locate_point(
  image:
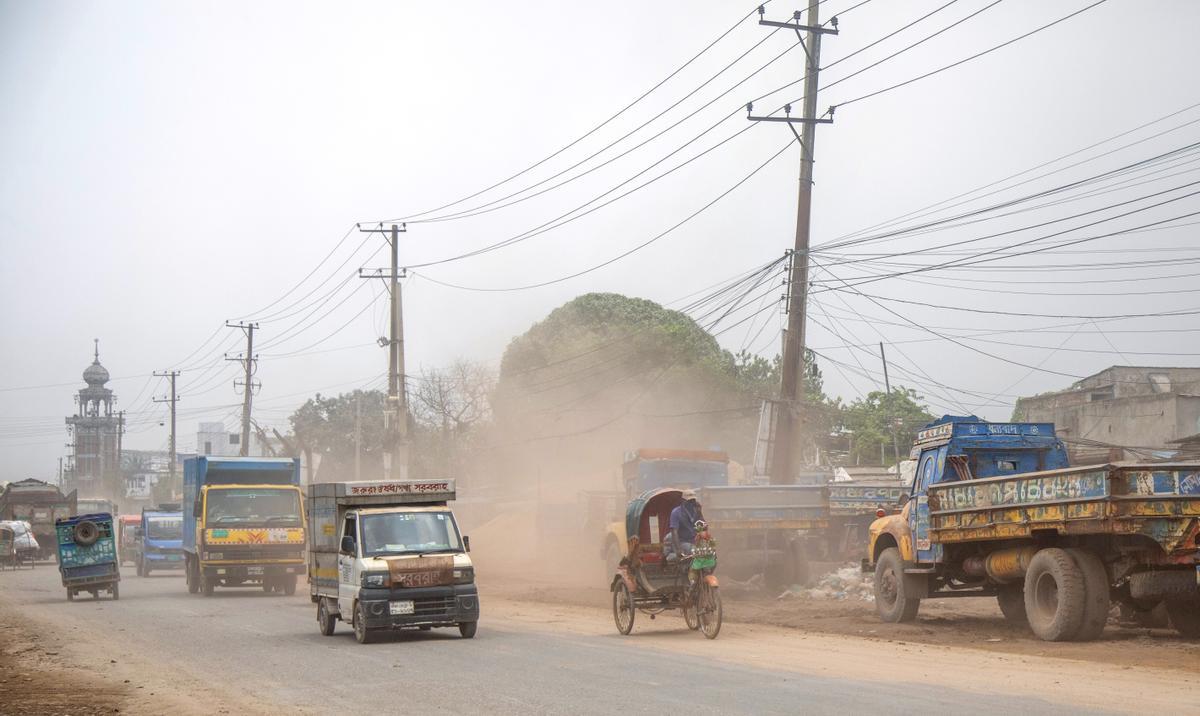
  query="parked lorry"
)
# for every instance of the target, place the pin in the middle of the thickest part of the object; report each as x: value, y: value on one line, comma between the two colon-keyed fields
x: 761, y: 527
x: 160, y: 539
x: 96, y: 505
x: 87, y: 555
x: 40, y: 504
x: 996, y: 510
x: 388, y: 555
x: 853, y: 506
x: 243, y: 523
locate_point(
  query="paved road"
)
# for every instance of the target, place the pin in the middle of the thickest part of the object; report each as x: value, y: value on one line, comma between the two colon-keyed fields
x: 268, y: 646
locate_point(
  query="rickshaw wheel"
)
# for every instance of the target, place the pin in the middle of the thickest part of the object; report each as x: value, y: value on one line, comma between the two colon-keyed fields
x: 623, y: 608
x: 708, y: 609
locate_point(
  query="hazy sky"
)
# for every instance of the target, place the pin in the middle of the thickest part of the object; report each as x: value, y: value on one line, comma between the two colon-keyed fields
x: 169, y: 166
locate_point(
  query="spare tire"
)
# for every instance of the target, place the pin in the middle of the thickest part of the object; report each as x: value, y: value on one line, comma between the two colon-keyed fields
x: 1164, y: 584
x: 86, y: 533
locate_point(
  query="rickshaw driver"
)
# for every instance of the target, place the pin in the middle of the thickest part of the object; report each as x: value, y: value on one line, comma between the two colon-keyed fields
x: 683, y: 526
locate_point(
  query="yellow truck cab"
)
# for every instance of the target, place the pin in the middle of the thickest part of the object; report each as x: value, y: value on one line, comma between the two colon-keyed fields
x: 388, y: 555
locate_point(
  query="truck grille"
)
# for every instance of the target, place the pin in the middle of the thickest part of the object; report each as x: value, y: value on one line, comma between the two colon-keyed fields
x: 433, y: 606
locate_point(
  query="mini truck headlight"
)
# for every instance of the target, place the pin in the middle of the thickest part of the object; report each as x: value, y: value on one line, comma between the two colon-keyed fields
x: 376, y: 579
x: 464, y: 575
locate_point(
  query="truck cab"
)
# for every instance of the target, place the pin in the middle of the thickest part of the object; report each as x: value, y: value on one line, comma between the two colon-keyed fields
x: 959, y: 448
x: 160, y: 545
x: 389, y: 555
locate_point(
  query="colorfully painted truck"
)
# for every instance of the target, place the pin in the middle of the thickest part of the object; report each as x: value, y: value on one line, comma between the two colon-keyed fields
x: 160, y: 540
x: 87, y: 555
x: 996, y: 510
x: 40, y: 504
x: 243, y: 523
x: 761, y: 527
x: 388, y: 555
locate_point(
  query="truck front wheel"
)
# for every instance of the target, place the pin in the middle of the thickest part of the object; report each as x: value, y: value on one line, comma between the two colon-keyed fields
x: 1011, y: 598
x: 361, y: 633
x: 1055, y: 595
x: 289, y: 584
x: 193, y: 577
x: 891, y: 603
x: 1185, y: 616
x: 467, y: 629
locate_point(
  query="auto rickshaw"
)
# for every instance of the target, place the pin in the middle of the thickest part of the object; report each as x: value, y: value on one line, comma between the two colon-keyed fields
x: 87, y: 555
x: 652, y: 580
x: 8, y: 547
x: 130, y: 542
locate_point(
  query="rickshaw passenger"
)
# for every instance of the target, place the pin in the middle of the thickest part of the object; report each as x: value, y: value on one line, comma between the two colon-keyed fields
x: 683, y: 527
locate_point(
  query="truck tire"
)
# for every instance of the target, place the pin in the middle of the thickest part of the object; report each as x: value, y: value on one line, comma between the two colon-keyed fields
x: 467, y: 629
x: 207, y: 585
x: 1011, y: 598
x: 70, y: 594
x: 890, y: 601
x: 137, y: 565
x: 1185, y: 616
x: 146, y: 570
x: 326, y: 621
x: 1097, y: 595
x: 1054, y: 595
x: 86, y: 533
x: 191, y: 573
x: 1163, y: 584
x: 289, y: 584
x: 115, y: 591
x: 361, y: 633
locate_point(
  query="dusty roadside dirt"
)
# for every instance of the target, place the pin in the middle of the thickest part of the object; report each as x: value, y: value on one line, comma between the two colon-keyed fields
x: 972, y: 623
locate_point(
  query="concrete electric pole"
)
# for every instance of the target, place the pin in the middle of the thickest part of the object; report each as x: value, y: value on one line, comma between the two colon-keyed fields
x: 249, y: 361
x: 887, y: 385
x: 397, y: 425
x: 784, y: 466
x: 171, y: 375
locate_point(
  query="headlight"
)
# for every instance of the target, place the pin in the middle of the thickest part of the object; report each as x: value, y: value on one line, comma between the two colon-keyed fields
x: 464, y: 575
x: 376, y: 579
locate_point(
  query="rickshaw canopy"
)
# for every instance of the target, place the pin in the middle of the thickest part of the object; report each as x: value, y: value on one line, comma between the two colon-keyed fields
x: 651, y: 503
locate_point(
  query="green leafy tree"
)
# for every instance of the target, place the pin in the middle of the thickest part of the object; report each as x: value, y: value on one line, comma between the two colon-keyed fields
x: 326, y: 425
x: 871, y: 421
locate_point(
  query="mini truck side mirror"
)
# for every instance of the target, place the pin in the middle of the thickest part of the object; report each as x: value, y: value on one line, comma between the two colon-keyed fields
x: 904, y: 498
x: 348, y: 545
x: 466, y: 543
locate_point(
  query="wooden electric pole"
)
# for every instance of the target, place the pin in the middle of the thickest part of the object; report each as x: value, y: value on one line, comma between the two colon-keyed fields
x: 171, y: 375
x: 397, y: 398
x: 784, y: 466
x: 249, y: 360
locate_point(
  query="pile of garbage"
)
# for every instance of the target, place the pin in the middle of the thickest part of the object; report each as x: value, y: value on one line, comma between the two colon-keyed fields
x: 845, y: 583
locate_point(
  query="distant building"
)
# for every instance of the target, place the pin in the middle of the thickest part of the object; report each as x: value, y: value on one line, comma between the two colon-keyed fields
x: 214, y: 439
x: 95, y: 436
x: 1121, y: 412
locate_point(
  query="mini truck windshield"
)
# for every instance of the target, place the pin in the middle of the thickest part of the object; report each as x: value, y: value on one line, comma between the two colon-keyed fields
x: 165, y: 528
x: 409, y: 533
x: 254, y: 506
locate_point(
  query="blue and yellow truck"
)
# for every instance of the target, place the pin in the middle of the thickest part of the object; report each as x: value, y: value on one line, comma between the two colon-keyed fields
x: 997, y: 510
x: 243, y: 523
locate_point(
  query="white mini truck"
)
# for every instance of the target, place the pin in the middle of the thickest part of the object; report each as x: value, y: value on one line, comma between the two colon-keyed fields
x: 387, y: 555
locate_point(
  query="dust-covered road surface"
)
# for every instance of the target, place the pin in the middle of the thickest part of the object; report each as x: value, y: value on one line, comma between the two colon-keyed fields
x: 242, y: 651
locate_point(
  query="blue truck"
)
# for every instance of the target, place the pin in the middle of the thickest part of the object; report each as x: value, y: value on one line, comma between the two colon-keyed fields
x: 996, y: 510
x: 243, y: 523
x: 160, y: 540
x: 87, y: 555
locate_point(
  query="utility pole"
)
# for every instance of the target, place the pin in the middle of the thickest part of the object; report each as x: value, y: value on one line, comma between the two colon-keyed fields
x: 358, y: 436
x: 887, y: 384
x: 785, y: 464
x: 249, y: 360
x: 171, y: 375
x: 397, y: 413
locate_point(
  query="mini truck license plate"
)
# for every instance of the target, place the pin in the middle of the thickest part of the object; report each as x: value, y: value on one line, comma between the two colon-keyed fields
x: 404, y: 607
